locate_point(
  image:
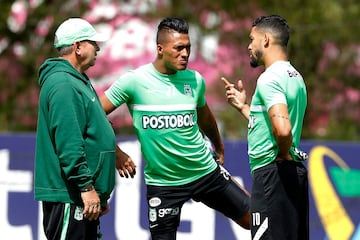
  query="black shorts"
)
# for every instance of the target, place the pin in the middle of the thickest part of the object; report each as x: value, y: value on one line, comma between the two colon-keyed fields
x: 66, y: 221
x: 280, y: 202
x: 217, y: 190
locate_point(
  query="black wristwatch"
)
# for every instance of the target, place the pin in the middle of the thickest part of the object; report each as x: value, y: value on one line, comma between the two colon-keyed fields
x: 88, y: 188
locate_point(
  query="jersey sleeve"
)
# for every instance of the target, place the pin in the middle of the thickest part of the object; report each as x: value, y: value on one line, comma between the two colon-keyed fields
x: 271, y: 90
x: 120, y: 91
x: 201, y: 94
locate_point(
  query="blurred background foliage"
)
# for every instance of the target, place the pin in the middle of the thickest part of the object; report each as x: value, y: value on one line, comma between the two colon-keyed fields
x: 324, y: 47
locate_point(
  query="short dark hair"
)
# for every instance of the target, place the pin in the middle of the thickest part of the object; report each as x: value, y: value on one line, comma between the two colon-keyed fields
x: 172, y: 24
x: 275, y: 24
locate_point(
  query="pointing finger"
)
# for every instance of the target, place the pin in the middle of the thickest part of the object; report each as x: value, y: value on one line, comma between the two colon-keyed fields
x: 226, y: 82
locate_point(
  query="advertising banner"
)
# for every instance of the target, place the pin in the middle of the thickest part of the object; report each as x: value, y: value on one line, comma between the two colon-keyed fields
x: 334, y: 177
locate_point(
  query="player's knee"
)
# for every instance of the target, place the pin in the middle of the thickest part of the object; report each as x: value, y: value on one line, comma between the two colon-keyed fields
x: 244, y: 221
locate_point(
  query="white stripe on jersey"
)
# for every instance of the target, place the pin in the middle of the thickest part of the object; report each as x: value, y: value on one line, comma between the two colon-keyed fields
x: 258, y: 108
x: 163, y: 108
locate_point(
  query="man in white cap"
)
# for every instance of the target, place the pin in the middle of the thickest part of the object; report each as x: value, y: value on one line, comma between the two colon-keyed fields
x: 76, y: 152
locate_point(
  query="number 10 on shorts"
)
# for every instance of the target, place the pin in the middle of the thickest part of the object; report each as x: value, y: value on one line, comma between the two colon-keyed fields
x: 255, y: 219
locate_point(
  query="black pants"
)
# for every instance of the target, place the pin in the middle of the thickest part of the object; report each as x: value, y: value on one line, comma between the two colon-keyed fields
x: 279, y: 202
x: 66, y: 221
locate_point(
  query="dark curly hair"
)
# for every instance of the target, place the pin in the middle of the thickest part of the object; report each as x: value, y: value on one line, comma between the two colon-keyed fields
x: 275, y: 24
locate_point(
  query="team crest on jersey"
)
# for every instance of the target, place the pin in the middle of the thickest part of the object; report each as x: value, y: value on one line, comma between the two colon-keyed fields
x: 187, y: 90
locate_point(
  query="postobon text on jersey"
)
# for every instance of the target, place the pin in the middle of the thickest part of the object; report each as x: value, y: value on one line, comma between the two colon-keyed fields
x: 168, y: 121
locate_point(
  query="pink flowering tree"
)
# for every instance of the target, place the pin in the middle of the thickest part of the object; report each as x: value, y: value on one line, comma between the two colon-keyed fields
x: 219, y: 33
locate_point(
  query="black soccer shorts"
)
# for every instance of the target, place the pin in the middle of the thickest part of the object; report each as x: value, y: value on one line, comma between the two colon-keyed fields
x: 66, y: 221
x: 279, y: 202
x: 217, y: 190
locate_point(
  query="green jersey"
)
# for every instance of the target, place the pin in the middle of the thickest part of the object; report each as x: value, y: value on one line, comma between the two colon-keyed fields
x: 163, y: 109
x: 281, y: 83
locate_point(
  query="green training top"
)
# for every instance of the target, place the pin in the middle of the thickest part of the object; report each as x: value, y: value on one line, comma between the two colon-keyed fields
x: 281, y: 83
x: 163, y: 108
x: 75, y: 142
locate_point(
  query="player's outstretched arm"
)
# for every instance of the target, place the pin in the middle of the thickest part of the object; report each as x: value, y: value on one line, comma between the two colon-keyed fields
x: 208, y: 126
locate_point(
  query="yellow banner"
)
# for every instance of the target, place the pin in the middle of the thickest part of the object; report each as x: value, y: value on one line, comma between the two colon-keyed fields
x: 336, y: 221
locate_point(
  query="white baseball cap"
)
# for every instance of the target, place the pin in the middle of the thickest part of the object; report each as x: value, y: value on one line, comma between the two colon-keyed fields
x: 76, y: 29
